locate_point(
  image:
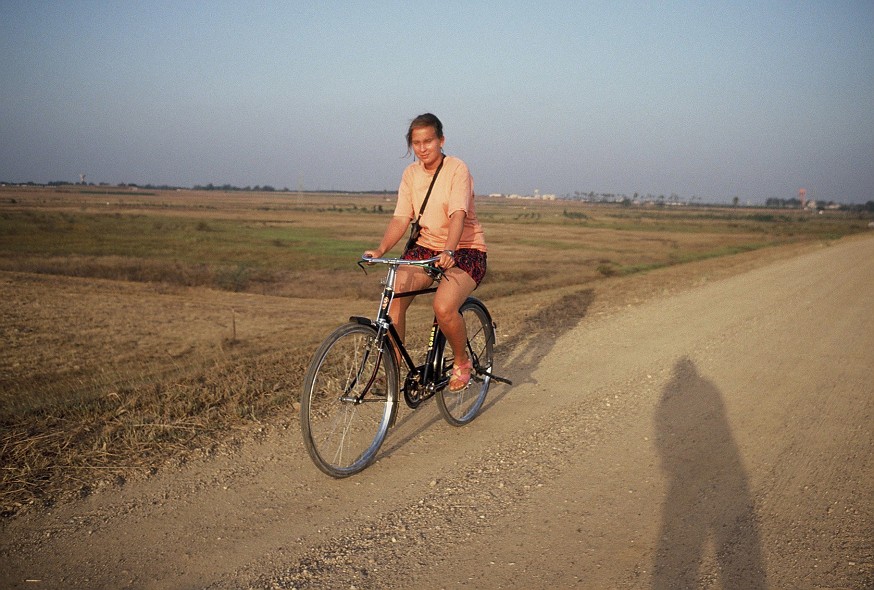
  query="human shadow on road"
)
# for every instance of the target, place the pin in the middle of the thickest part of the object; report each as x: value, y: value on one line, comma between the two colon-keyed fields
x: 708, y: 499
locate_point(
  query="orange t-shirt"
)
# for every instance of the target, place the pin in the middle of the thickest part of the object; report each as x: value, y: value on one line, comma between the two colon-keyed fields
x: 453, y: 191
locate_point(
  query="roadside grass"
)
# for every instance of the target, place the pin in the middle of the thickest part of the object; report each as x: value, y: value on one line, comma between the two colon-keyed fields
x: 129, y: 430
x: 62, y: 435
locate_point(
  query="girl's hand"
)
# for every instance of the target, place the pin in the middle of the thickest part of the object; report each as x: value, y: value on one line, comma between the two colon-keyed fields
x: 447, y: 259
x: 372, y: 254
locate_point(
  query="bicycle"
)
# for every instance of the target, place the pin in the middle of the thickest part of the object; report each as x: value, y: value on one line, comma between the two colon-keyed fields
x: 351, y: 388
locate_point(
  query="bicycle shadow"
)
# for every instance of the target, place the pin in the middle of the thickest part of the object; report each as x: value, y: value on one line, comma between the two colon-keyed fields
x: 520, y: 354
x: 708, y: 504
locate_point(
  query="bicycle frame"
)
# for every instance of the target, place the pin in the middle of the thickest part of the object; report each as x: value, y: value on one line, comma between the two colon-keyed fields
x: 429, y: 376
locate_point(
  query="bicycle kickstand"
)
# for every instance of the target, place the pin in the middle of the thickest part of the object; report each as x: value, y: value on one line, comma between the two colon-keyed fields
x: 500, y: 379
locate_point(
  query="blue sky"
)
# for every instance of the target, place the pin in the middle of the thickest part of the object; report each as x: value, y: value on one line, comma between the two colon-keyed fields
x: 705, y: 99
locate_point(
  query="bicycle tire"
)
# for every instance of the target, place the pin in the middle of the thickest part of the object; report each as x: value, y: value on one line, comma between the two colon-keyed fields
x: 461, y: 407
x: 342, y: 436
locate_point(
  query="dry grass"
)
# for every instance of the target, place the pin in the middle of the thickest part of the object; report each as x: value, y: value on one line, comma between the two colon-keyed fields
x: 142, y: 328
x: 131, y: 430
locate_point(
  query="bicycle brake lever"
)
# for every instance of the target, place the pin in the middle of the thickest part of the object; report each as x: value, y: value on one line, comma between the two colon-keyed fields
x: 435, y: 272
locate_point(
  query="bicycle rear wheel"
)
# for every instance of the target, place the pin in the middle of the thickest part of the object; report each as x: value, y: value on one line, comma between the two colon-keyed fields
x: 348, y: 401
x: 461, y: 407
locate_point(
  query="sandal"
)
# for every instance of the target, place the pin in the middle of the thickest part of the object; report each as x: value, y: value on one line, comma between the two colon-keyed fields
x: 460, y: 376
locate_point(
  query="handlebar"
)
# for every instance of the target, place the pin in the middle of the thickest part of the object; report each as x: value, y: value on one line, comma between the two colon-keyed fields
x: 399, y: 261
x: 428, y: 264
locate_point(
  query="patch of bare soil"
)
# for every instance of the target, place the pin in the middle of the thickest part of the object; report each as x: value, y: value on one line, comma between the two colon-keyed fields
x: 705, y: 425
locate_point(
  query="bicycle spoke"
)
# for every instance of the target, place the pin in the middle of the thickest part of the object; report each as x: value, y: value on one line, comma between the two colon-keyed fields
x: 348, y: 402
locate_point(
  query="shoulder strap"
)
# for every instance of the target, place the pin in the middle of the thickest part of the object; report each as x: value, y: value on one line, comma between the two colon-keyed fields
x: 428, y: 194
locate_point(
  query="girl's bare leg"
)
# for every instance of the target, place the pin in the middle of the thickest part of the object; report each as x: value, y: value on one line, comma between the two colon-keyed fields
x: 408, y: 279
x: 455, y: 287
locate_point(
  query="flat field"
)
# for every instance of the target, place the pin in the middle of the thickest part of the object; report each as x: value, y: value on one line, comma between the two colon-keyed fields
x: 140, y: 327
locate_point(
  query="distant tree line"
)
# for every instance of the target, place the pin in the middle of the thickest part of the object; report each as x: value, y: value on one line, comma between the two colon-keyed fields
x: 155, y: 187
x: 792, y: 203
x: 229, y: 187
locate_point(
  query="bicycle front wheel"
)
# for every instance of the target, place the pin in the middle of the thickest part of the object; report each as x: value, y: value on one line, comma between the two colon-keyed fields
x: 349, y: 399
x: 461, y: 407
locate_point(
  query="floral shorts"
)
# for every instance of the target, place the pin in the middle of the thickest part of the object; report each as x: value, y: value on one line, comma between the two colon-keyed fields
x: 471, y: 261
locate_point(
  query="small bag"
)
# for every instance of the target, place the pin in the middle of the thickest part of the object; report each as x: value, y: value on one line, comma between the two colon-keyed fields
x: 415, y: 228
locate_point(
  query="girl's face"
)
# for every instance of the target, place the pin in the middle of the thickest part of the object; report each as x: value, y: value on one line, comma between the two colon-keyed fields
x: 427, y: 146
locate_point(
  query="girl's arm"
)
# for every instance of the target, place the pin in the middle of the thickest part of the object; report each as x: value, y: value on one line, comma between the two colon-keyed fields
x: 456, y: 226
x: 396, y: 229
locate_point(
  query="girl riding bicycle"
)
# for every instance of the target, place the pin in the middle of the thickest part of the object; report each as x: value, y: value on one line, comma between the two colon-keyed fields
x: 449, y: 229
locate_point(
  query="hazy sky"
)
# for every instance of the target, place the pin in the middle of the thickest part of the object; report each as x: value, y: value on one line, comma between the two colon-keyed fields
x: 708, y: 99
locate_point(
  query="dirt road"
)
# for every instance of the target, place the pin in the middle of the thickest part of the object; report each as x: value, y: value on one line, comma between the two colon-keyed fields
x: 716, y: 438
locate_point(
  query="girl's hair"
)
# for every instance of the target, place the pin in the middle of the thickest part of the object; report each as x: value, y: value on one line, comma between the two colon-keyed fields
x: 426, y: 120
